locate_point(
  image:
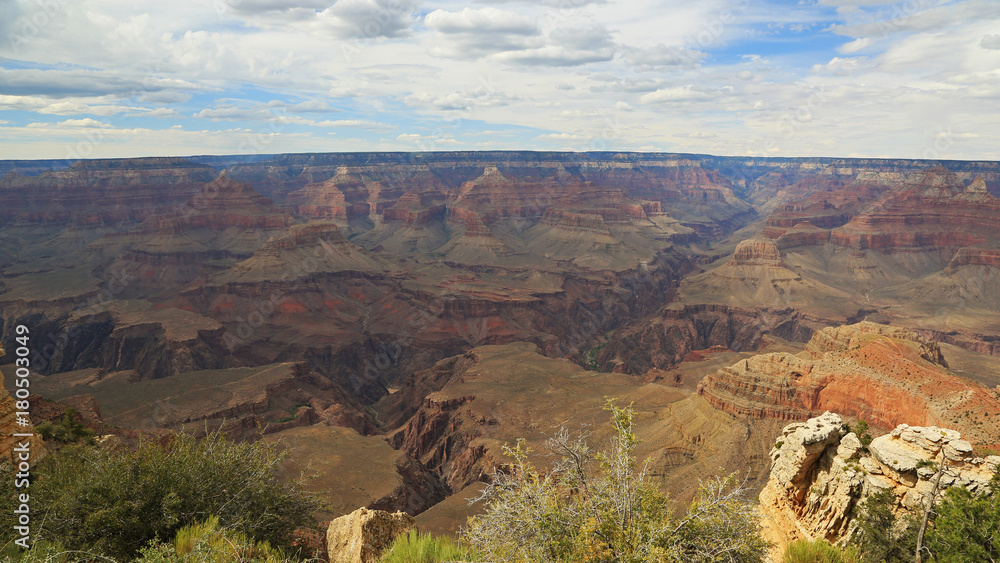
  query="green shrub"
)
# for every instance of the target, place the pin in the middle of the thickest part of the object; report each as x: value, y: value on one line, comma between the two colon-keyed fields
x: 819, y: 551
x: 967, y: 527
x: 862, y: 430
x: 881, y: 536
x: 599, y: 507
x: 117, y: 502
x: 48, y: 552
x: 208, y: 542
x: 415, y: 547
x: 67, y: 430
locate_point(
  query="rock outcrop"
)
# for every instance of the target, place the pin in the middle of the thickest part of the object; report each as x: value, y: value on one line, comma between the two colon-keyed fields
x: 886, y: 375
x: 364, y: 535
x: 820, y: 472
x: 10, y: 423
x: 757, y: 252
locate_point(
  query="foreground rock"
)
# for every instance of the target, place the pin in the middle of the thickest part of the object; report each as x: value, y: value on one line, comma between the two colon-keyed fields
x: 820, y: 472
x: 364, y: 535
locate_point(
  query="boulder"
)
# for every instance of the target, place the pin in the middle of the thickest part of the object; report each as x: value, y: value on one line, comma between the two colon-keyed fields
x: 364, y: 535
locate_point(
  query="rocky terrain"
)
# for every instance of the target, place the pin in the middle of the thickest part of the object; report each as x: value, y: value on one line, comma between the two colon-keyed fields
x: 883, y: 374
x: 418, y: 310
x: 10, y: 424
x: 820, y: 472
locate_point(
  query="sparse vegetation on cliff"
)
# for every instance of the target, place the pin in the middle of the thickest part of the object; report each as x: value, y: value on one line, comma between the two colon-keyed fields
x: 67, y: 430
x: 600, y: 507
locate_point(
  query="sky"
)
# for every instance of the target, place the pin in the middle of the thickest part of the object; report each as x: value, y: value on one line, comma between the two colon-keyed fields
x: 832, y: 78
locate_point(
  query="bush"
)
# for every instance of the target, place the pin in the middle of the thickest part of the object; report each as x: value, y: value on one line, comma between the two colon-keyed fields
x: 48, y: 552
x: 211, y: 543
x: 597, y: 507
x: 117, y: 502
x: 415, y: 547
x: 967, y: 527
x: 819, y: 551
x: 881, y: 536
x: 67, y: 430
x: 862, y: 430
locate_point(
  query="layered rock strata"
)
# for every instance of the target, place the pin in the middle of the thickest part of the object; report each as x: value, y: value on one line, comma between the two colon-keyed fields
x: 880, y: 373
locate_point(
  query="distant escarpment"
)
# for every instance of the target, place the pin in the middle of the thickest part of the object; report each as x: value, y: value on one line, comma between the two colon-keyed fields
x: 97, y: 193
x: 883, y: 374
x: 931, y: 209
x: 820, y: 473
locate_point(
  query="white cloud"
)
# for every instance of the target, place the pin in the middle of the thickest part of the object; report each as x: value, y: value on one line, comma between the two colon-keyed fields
x: 856, y: 45
x: 562, y: 137
x: 460, y: 101
x: 83, y: 82
x: 357, y: 124
x: 560, y: 4
x: 555, y: 55
x: 696, y: 135
x: 259, y: 6
x: 991, y: 42
x: 368, y: 18
x: 840, y: 67
x: 686, y: 93
x: 86, y: 122
x: 481, y: 21
x: 159, y: 112
x: 663, y: 56
x: 418, y: 142
x: 311, y: 106
x: 477, y: 32
x: 515, y: 39
x: 918, y: 16
x: 233, y: 113
x: 659, y: 69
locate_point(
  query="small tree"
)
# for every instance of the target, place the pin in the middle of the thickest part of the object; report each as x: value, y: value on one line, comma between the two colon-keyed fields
x: 67, y: 430
x: 600, y: 507
x: 967, y: 526
x: 881, y: 536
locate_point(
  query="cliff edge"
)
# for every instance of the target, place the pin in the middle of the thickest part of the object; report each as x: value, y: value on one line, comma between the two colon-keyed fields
x: 820, y: 471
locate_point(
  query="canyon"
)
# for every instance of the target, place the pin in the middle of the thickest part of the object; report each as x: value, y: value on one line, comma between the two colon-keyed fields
x: 417, y: 311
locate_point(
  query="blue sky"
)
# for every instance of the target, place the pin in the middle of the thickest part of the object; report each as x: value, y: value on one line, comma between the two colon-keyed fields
x: 110, y: 78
